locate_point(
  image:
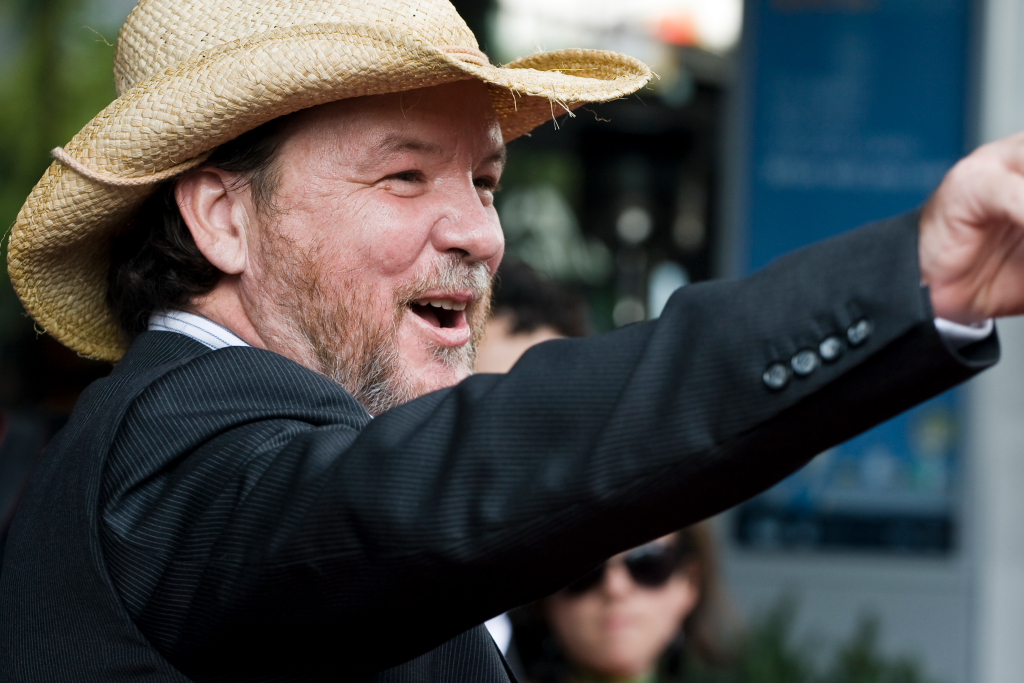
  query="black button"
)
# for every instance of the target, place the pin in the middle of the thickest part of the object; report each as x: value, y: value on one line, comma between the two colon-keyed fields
x: 859, y: 332
x: 831, y: 348
x: 805, y: 362
x: 776, y: 376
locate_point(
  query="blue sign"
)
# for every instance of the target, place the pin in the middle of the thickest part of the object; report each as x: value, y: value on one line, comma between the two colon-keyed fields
x: 857, y: 109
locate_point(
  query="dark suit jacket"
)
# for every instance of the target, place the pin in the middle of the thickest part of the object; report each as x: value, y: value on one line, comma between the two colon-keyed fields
x: 230, y: 515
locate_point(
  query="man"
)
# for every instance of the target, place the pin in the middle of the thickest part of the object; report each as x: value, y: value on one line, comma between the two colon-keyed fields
x: 223, y: 507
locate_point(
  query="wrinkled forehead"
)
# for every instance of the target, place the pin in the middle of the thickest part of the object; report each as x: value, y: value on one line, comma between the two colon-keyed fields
x: 456, y: 117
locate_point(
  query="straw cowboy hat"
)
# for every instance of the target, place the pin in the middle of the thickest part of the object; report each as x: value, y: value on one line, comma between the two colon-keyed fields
x: 194, y: 74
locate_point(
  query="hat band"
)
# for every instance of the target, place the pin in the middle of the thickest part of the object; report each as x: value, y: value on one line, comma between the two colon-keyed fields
x: 465, y: 54
x: 104, y: 178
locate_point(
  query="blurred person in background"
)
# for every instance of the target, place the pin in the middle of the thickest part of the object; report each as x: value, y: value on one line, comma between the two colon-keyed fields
x: 526, y: 309
x: 641, y: 617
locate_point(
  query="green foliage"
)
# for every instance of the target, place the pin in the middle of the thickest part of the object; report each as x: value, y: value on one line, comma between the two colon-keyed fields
x: 769, y: 654
x: 860, y: 662
x: 56, y: 75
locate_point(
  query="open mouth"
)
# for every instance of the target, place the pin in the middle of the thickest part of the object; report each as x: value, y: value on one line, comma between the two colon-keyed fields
x: 442, y: 313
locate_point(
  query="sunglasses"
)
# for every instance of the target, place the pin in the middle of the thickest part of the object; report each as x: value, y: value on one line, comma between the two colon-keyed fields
x: 650, y: 565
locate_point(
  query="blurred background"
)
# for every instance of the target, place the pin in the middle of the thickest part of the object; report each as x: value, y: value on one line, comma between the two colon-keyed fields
x: 773, y: 123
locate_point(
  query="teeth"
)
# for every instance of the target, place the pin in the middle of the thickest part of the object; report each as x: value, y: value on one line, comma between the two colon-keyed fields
x: 446, y: 304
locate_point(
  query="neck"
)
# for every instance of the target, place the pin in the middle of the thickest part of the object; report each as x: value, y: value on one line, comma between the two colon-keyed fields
x: 223, y: 305
x: 228, y: 306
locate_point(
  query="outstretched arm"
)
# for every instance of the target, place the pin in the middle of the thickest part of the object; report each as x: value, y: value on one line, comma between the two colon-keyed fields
x: 377, y: 545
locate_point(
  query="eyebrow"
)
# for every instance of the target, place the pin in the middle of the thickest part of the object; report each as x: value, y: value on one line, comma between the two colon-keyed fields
x: 394, y: 144
x: 499, y: 156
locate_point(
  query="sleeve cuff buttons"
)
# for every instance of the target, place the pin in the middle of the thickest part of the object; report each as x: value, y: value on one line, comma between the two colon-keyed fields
x: 859, y: 332
x: 805, y: 362
x: 777, y: 375
x: 831, y: 348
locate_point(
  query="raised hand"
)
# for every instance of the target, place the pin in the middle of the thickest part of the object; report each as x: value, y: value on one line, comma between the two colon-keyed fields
x: 972, y: 236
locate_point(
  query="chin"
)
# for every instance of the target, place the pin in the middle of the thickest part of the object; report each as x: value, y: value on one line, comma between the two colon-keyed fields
x: 621, y: 668
x: 438, y: 376
x: 624, y: 657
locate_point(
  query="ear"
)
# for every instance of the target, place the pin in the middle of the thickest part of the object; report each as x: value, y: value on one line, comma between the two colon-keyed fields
x: 217, y: 216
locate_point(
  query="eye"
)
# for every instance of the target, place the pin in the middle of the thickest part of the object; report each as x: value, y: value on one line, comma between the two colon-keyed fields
x: 487, y: 183
x: 409, y: 183
x: 410, y: 176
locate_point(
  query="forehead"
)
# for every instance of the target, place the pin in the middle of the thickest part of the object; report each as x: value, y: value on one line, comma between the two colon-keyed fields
x: 451, y: 118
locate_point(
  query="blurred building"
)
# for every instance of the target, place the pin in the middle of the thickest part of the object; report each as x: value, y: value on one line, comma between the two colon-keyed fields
x: 621, y: 199
x: 853, y: 110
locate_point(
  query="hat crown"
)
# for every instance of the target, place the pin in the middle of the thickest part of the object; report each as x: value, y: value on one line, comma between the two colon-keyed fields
x: 162, y: 33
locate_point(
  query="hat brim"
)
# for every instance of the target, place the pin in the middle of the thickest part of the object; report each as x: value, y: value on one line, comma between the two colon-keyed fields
x: 59, y: 250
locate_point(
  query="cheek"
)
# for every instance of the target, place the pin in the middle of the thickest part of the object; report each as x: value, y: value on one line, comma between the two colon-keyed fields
x: 573, y: 620
x: 668, y: 608
x: 496, y: 261
x: 366, y: 228
x: 390, y: 233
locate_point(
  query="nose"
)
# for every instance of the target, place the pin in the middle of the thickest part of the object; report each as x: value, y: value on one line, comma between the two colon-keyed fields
x: 617, y: 582
x: 470, y: 228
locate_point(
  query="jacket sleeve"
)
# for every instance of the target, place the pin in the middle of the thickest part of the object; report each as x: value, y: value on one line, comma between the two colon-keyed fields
x: 289, y: 532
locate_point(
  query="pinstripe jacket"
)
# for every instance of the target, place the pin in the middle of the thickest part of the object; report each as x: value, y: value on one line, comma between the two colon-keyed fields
x: 230, y: 515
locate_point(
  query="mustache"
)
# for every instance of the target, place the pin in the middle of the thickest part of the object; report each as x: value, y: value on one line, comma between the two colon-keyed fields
x: 450, y: 274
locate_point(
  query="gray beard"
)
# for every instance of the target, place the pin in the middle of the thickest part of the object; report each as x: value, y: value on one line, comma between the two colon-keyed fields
x: 350, y: 347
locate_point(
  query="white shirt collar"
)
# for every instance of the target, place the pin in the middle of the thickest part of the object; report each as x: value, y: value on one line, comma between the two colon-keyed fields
x: 202, y: 330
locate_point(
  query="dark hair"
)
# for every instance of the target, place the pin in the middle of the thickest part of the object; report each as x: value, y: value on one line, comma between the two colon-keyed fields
x: 705, y: 636
x: 711, y: 625
x: 533, y: 302
x: 155, y: 263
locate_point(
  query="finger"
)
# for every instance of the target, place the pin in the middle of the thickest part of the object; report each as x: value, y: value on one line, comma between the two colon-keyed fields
x: 1007, y: 199
x: 1011, y: 151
